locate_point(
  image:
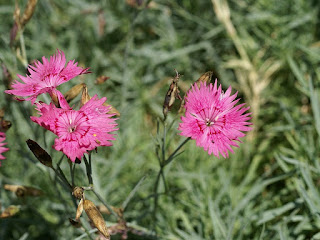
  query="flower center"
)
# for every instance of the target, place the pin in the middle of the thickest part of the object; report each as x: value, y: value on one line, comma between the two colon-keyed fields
x: 209, y: 122
x: 72, y: 127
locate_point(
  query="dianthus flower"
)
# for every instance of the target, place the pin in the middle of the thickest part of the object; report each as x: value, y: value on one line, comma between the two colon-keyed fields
x: 80, y: 130
x: 213, y: 120
x: 45, y: 77
x: 2, y: 149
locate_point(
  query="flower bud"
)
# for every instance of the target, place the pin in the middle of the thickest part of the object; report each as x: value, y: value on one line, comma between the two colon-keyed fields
x: 40, y: 153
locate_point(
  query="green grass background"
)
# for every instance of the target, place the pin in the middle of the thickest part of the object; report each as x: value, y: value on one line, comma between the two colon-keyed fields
x: 268, y: 189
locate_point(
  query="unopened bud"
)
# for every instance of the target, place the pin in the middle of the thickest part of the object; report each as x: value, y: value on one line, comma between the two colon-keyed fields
x: 95, y: 216
x: 171, y: 95
x: 40, y: 153
x: 74, y: 92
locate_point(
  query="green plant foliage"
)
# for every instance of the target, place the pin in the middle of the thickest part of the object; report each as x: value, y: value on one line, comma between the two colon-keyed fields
x: 268, y: 189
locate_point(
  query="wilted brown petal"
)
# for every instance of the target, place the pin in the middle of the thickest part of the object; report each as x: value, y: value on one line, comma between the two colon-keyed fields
x: 40, y: 153
x: 95, y: 216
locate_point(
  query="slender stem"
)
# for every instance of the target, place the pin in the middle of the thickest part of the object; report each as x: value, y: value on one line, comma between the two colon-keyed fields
x: 23, y: 50
x: 88, y: 169
x: 164, y: 143
x: 62, y: 178
x: 105, y: 204
x: 72, y: 167
x: 171, y: 157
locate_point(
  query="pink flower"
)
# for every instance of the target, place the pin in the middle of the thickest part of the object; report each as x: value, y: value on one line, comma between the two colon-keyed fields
x: 78, y: 131
x: 2, y: 149
x: 45, y: 77
x: 213, y: 120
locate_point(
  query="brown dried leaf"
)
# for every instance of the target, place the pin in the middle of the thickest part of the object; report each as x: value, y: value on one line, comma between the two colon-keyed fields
x: 95, y: 216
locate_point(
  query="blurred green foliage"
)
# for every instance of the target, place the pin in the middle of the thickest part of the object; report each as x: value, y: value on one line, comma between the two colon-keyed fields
x: 268, y: 189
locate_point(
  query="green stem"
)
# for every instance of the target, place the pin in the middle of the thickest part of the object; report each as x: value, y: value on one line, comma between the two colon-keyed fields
x: 171, y: 157
x: 88, y: 169
x: 23, y: 59
x: 105, y: 204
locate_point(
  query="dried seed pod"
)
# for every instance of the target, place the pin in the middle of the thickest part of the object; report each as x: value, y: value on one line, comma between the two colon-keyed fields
x: 112, y: 110
x: 28, y: 12
x: 95, y: 216
x: 79, y: 210
x: 85, y: 97
x: 101, y: 79
x: 171, y: 95
x: 78, y: 192
x: 75, y: 223
x: 204, y: 78
x: 5, y: 125
x: 74, y: 92
x: 23, y: 191
x: 10, y: 211
x: 40, y: 153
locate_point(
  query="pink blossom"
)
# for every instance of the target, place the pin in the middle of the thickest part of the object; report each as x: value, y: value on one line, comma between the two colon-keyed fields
x: 2, y: 149
x: 45, y: 77
x: 213, y: 120
x: 78, y: 131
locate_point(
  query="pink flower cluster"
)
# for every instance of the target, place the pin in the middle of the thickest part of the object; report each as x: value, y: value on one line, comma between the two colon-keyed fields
x: 213, y: 120
x: 2, y: 149
x: 78, y: 131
